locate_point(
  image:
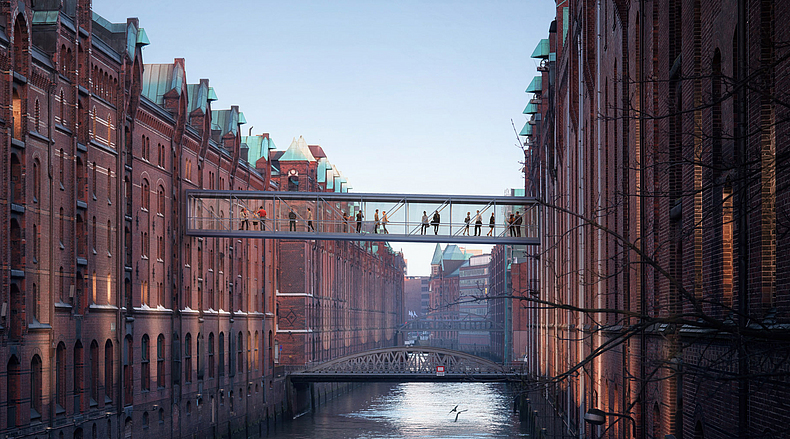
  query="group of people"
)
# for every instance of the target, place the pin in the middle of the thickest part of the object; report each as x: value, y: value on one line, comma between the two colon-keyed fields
x: 258, y: 216
x: 513, y: 222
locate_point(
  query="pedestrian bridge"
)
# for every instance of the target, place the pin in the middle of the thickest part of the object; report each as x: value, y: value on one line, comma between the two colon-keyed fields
x: 451, y: 321
x: 353, y: 217
x: 407, y: 364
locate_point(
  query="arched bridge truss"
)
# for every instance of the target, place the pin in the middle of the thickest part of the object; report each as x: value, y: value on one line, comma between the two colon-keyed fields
x: 406, y: 364
x: 452, y: 321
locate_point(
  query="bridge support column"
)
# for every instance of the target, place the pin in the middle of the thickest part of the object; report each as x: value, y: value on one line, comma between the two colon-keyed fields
x: 300, y: 397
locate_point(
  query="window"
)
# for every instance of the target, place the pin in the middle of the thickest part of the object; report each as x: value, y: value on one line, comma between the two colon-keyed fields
x: 16, y: 116
x: 199, y: 351
x: 60, y: 378
x: 109, y: 238
x: 35, y: 387
x: 94, y: 180
x: 62, y: 236
x: 62, y: 167
x: 211, y: 355
x: 161, y: 200
x: 146, y: 195
x: 108, y: 368
x: 78, y: 376
x: 255, y: 346
x: 188, y: 358
x: 128, y: 370
x: 94, y: 380
x: 13, y: 391
x: 36, y: 304
x: 239, y: 353
x: 160, y: 361
x: 221, y: 354
x: 109, y: 130
x: 36, y: 180
x: 145, y: 370
x: 35, y: 243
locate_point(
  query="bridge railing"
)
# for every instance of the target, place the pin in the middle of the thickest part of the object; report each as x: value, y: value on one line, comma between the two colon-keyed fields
x: 384, y: 217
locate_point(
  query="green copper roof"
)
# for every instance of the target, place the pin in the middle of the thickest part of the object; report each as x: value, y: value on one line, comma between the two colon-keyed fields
x: 115, y: 28
x: 437, y: 255
x: 142, y: 38
x: 531, y: 108
x: 212, y: 96
x: 259, y: 146
x: 527, y: 130
x: 454, y: 253
x: 242, y: 119
x: 158, y: 79
x: 197, y: 95
x: 322, y: 163
x: 225, y: 121
x: 536, y: 86
x: 542, y: 51
x: 297, y: 152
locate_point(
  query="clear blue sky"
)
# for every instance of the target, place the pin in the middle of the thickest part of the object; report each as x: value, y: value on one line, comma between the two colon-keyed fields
x: 404, y: 96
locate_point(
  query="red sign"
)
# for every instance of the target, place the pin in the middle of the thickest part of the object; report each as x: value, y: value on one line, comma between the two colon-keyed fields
x: 440, y: 371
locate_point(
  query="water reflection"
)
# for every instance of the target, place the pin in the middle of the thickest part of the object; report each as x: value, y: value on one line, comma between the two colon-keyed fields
x: 411, y: 410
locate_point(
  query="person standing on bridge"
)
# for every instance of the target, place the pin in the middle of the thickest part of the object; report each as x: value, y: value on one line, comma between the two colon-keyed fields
x: 467, y: 220
x: 510, y: 225
x: 384, y: 222
x: 376, y: 222
x: 310, y: 220
x: 491, y: 225
x: 359, y: 221
x: 345, y: 222
x: 262, y: 217
x: 517, y: 222
x: 292, y: 221
x: 478, y: 223
x: 245, y: 222
x: 424, y: 223
x: 435, y: 221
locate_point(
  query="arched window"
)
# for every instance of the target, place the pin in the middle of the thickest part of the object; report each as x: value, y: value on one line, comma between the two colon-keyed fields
x: 94, y: 379
x: 199, y: 351
x: 36, y: 180
x: 16, y: 245
x: 35, y: 387
x: 221, y: 349
x: 61, y: 221
x: 82, y: 183
x: 62, y: 280
x: 36, y: 304
x: 240, y: 353
x: 109, y: 238
x: 78, y: 376
x: 211, y: 355
x: 161, y: 200
x: 249, y: 351
x: 60, y: 378
x: 188, y: 358
x: 108, y: 368
x: 146, y: 195
x: 13, y: 391
x: 160, y: 361
x: 128, y: 370
x: 80, y: 238
x: 145, y: 371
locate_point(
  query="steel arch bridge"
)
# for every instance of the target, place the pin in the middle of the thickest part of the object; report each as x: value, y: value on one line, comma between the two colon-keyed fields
x: 406, y: 364
x: 451, y: 321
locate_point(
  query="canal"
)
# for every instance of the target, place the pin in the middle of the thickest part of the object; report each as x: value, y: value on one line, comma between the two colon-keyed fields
x: 410, y: 410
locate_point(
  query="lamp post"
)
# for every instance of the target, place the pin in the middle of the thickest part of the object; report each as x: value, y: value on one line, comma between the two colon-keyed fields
x: 598, y: 417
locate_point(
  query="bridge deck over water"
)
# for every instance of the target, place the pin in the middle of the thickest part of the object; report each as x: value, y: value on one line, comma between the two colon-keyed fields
x: 232, y: 214
x: 407, y: 364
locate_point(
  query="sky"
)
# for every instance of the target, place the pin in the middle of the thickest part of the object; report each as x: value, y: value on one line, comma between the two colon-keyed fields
x: 404, y: 96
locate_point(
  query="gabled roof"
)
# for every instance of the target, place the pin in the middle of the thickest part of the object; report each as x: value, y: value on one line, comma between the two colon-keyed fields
x: 298, y: 152
x: 437, y: 255
x: 226, y: 121
x: 159, y: 79
x: 454, y: 253
x: 542, y: 51
x: 317, y: 151
x: 259, y: 146
x: 536, y: 86
x: 197, y: 95
x: 323, y: 168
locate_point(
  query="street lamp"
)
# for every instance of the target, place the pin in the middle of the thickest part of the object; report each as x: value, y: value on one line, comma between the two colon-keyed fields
x: 598, y: 417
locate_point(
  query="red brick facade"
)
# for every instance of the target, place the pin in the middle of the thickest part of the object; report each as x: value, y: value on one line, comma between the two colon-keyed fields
x: 113, y: 321
x: 661, y: 152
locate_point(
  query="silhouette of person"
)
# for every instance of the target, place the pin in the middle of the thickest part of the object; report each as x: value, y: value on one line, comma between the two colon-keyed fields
x: 376, y: 222
x: 384, y: 222
x: 345, y: 222
x: 292, y: 221
x: 262, y: 217
x: 359, y: 221
x: 245, y: 222
x: 424, y: 223
x: 310, y: 220
x: 491, y: 225
x: 478, y: 223
x: 466, y: 224
x: 517, y: 222
x: 511, y: 219
x: 435, y: 221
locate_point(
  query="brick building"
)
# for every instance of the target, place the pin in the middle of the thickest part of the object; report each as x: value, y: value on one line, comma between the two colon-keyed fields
x: 113, y: 322
x: 658, y: 139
